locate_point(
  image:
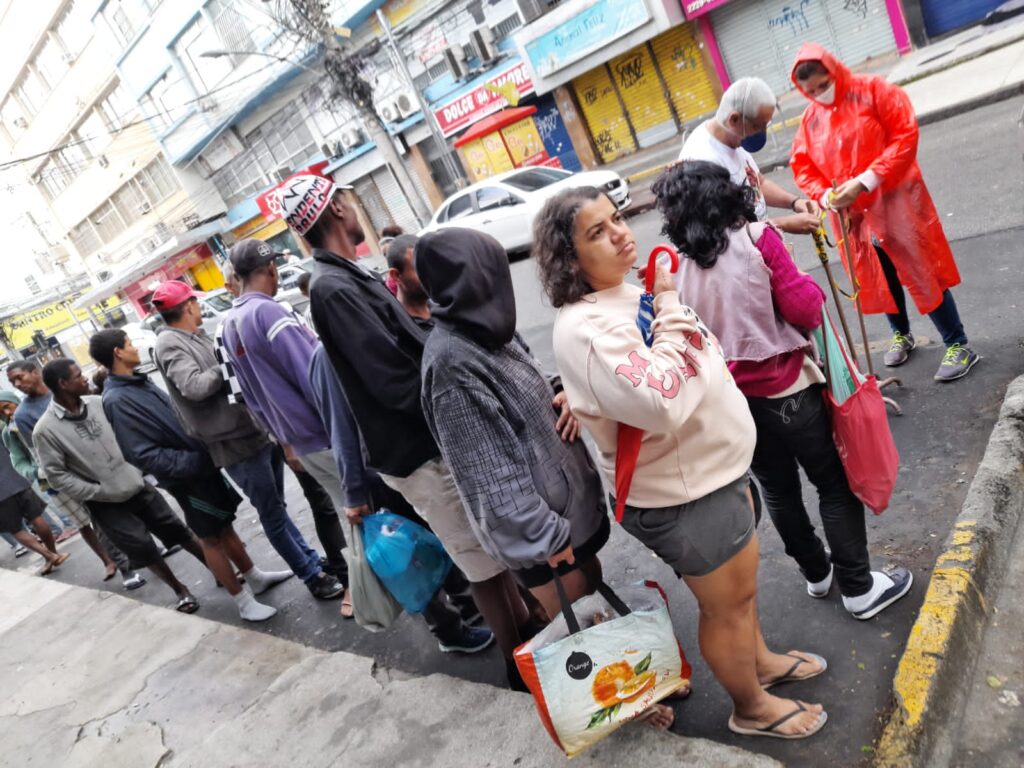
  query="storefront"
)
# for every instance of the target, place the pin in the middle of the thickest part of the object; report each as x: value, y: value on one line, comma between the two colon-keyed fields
x: 761, y: 39
x: 35, y: 330
x: 942, y: 16
x: 502, y: 124
x: 637, y: 71
x: 195, y: 266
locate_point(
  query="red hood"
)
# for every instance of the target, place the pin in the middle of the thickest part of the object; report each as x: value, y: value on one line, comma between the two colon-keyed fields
x: 814, y: 52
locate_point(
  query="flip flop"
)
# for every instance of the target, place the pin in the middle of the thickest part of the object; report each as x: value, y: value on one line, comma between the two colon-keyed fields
x: 789, y: 677
x: 61, y: 559
x: 347, y: 609
x: 47, y: 569
x: 187, y: 604
x: 770, y: 730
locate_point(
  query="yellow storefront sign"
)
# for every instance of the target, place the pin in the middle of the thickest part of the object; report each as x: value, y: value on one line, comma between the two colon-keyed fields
x: 523, y: 141
x: 50, y: 319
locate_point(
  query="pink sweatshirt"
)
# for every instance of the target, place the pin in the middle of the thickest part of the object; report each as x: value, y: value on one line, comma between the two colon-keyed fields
x: 798, y: 299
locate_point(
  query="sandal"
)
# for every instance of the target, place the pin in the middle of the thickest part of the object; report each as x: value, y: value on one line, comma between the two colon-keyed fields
x: 347, y: 610
x: 770, y: 730
x: 789, y: 677
x: 187, y: 604
x: 61, y: 558
x: 47, y: 569
x: 680, y: 694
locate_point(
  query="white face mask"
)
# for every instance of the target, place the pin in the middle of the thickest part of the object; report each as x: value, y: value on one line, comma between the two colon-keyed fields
x: 828, y: 96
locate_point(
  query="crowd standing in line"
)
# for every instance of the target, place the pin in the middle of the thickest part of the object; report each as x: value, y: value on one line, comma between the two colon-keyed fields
x: 420, y: 396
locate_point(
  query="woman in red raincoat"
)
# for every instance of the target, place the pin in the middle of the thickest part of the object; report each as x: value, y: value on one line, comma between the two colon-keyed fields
x: 860, y: 133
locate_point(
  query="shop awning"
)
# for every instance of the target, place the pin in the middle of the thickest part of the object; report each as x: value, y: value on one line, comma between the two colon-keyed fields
x: 140, y: 269
x: 495, y: 122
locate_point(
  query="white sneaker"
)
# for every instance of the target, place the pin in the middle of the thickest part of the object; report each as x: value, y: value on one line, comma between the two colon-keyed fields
x: 820, y: 589
x: 887, y: 589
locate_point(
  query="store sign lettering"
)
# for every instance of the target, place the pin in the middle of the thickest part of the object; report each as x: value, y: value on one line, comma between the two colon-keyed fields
x: 587, y: 31
x: 483, y: 100
x: 695, y: 8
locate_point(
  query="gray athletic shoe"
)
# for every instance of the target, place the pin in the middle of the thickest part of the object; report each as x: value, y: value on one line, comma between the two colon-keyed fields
x: 899, y: 350
x: 957, y: 363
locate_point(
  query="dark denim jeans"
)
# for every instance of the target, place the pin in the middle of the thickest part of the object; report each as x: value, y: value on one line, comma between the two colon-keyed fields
x: 261, y: 478
x: 795, y: 431
x: 946, y: 317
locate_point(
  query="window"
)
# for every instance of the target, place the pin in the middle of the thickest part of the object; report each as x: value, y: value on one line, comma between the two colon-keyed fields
x: 232, y: 27
x: 116, y: 108
x: 328, y: 120
x: 126, y: 18
x: 460, y: 206
x: 205, y: 73
x: 130, y: 202
x: 13, y: 117
x: 158, y: 181
x: 93, y: 133
x: 240, y: 179
x: 50, y: 63
x: 285, y: 137
x: 494, y: 197
x: 52, y: 180
x: 108, y: 222
x: 31, y: 93
x: 506, y: 27
x: 74, y: 28
x: 166, y: 101
x: 437, y: 71
x: 536, y: 178
x: 84, y: 238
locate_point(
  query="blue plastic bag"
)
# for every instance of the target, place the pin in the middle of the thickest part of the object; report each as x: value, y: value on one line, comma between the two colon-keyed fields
x: 407, y: 558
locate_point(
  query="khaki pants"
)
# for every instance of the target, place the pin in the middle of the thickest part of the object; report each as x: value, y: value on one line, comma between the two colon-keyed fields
x: 431, y: 491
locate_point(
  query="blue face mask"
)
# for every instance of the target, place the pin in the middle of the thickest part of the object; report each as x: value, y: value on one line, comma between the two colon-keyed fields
x: 755, y: 142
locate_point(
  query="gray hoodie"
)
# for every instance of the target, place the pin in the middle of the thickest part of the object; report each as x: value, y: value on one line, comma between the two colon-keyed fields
x: 80, y: 455
x: 199, y: 395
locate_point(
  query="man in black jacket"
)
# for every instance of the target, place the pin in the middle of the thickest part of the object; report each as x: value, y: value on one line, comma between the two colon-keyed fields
x: 375, y: 348
x: 151, y: 438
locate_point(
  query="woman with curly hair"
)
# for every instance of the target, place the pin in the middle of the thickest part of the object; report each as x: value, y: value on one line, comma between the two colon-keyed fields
x: 739, y: 276
x: 688, y: 501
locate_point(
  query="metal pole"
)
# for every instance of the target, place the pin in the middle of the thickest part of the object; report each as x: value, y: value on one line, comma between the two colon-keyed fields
x: 453, y: 166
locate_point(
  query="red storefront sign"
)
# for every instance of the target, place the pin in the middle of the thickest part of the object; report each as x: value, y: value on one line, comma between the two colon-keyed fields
x: 481, y: 101
x: 270, y: 201
x: 695, y: 8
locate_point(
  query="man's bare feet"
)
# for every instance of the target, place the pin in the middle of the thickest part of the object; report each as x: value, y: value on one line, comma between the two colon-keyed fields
x: 789, y: 667
x: 659, y: 716
x: 807, y: 719
x: 61, y: 558
x: 110, y: 572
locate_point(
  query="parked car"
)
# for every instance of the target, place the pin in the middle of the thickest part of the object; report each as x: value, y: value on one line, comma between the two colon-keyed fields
x: 505, y: 205
x: 143, y: 338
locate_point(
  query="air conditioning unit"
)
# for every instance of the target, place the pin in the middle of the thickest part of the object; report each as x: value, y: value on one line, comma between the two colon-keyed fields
x: 389, y: 112
x: 351, y: 138
x: 455, y: 58
x: 190, y: 221
x: 144, y: 209
x: 21, y: 122
x: 482, y: 40
x: 102, y: 160
x: 207, y: 104
x: 68, y: 58
x: 407, y: 104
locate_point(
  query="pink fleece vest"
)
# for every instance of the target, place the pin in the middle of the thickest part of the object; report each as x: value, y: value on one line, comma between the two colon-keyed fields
x: 734, y: 299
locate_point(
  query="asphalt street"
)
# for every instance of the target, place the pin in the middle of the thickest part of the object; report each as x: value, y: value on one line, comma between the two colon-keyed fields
x: 972, y: 164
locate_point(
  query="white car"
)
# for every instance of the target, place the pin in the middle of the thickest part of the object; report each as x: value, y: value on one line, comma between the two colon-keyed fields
x: 504, y: 206
x: 143, y: 338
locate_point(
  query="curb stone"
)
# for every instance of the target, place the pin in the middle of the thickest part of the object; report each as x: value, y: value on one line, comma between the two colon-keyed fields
x: 943, y: 644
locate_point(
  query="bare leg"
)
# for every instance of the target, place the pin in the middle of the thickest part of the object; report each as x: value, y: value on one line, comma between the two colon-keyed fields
x: 577, y: 583
x: 90, y: 538
x: 31, y: 542
x: 45, y: 533
x: 494, y: 598
x: 220, y: 566
x: 729, y: 641
x: 235, y: 550
x: 166, y: 575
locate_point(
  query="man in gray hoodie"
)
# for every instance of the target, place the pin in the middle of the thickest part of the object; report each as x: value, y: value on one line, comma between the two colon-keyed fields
x: 79, y: 453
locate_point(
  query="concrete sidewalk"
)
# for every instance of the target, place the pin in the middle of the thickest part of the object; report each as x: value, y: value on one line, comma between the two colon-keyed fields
x: 129, y: 684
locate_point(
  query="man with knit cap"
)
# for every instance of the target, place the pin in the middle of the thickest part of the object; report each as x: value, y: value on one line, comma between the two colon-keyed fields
x: 237, y: 444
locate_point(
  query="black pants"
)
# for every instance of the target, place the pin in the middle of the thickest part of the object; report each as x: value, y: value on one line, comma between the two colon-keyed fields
x: 945, y: 317
x: 795, y: 431
x: 326, y: 522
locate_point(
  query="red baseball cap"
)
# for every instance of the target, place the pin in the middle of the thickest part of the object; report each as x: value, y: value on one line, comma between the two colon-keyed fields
x: 170, y: 294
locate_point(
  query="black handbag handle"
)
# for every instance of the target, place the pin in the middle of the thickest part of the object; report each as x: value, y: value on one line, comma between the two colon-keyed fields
x: 603, y: 589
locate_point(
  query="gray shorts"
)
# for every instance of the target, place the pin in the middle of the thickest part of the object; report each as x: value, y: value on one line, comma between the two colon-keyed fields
x: 696, y: 538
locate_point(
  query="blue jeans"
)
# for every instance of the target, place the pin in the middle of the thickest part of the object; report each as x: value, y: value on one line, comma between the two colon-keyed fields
x: 945, y: 317
x: 261, y: 478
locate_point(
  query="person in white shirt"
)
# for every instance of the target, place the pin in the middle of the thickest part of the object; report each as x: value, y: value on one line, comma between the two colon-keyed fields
x: 738, y: 128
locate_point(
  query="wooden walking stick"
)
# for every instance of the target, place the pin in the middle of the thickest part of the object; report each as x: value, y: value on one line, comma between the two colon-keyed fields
x: 843, y: 242
x: 819, y: 246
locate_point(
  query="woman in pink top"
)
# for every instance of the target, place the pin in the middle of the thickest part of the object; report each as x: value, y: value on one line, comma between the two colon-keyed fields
x: 688, y: 501
x: 740, y: 278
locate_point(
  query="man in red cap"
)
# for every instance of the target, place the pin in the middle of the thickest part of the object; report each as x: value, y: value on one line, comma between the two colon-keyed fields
x: 237, y: 444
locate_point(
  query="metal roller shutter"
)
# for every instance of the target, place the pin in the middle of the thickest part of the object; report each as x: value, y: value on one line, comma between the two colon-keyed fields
x: 643, y: 95
x: 372, y: 203
x: 941, y: 16
x: 760, y: 39
x: 395, y: 200
x: 605, y: 119
x: 682, y: 68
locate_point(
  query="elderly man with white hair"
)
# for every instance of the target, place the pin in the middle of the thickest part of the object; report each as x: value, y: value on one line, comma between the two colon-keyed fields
x: 739, y: 128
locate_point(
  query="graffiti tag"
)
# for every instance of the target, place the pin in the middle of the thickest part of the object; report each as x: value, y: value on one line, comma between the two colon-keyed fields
x: 792, y: 18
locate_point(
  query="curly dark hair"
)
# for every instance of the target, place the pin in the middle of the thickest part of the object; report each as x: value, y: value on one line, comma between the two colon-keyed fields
x: 700, y: 205
x: 554, y: 245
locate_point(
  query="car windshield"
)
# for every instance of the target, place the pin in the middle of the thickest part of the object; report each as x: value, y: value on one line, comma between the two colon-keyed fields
x: 535, y: 178
x: 219, y: 302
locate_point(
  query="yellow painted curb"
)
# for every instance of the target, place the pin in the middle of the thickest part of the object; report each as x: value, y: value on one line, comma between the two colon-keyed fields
x: 950, y: 591
x: 653, y: 171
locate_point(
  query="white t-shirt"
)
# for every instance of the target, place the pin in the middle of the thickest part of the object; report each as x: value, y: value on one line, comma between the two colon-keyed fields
x: 701, y: 145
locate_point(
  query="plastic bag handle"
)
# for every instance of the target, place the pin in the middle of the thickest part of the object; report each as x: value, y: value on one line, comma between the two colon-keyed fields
x: 605, y: 591
x: 652, y: 264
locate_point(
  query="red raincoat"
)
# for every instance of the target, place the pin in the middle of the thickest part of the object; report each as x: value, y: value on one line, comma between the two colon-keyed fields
x: 871, y: 126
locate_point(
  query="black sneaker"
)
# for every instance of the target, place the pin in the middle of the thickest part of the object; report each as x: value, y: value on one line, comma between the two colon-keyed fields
x: 902, y: 580
x: 471, y: 640
x: 325, y: 587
